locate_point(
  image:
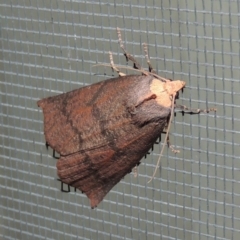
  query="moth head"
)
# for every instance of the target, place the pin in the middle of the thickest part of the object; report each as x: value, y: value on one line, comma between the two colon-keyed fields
x: 172, y: 87
x: 165, y: 91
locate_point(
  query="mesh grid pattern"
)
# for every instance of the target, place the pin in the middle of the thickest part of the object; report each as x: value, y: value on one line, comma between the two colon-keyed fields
x: 49, y: 47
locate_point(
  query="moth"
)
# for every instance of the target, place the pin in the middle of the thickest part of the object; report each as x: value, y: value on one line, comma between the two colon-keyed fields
x: 102, y: 131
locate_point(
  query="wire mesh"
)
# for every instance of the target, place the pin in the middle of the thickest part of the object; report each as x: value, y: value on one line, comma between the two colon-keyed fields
x: 49, y: 47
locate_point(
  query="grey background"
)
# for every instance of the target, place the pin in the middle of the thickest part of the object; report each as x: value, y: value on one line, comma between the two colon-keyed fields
x: 49, y: 47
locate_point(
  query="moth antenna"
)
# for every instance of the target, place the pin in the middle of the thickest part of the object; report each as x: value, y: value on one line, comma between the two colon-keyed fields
x: 165, y: 140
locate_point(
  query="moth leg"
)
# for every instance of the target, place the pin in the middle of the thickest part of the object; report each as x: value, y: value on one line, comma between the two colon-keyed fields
x: 149, y: 151
x: 185, y: 109
x: 158, y: 140
x: 128, y: 56
x: 114, y: 68
x: 171, y: 146
x: 150, y: 68
x: 135, y: 171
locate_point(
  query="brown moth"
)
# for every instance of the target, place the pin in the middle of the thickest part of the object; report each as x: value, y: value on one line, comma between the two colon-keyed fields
x: 102, y: 131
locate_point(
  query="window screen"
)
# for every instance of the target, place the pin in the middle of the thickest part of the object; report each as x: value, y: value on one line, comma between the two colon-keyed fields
x: 50, y: 47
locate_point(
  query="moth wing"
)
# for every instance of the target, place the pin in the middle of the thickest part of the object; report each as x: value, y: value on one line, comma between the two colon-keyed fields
x: 97, y: 171
x: 80, y: 119
x: 102, y: 131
